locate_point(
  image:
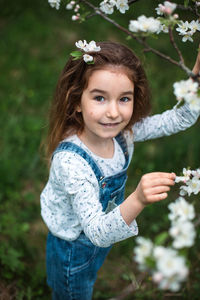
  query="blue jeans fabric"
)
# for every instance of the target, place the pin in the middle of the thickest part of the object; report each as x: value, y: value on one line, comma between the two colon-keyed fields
x: 72, y: 266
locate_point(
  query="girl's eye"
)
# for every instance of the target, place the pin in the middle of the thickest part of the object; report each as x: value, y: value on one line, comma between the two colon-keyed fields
x: 99, y: 98
x: 125, y: 99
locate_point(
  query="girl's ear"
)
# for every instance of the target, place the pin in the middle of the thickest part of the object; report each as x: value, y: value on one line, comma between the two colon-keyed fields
x: 78, y: 109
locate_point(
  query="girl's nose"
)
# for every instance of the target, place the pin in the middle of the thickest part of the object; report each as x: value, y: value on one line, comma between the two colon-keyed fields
x: 112, y: 110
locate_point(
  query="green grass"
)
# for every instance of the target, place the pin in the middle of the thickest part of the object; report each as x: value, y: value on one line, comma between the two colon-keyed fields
x: 35, y: 44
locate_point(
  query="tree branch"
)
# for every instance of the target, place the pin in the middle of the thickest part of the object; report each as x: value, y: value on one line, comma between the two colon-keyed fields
x: 132, y: 1
x: 175, y: 45
x: 135, y: 284
x: 141, y: 41
x: 197, y: 221
x: 193, y: 10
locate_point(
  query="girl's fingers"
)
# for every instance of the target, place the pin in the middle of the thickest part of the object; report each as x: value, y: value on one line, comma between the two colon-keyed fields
x: 157, y: 197
x: 157, y: 190
x: 154, y: 175
x: 160, y: 181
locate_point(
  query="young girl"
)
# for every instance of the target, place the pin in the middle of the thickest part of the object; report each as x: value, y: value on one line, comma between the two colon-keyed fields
x: 100, y: 109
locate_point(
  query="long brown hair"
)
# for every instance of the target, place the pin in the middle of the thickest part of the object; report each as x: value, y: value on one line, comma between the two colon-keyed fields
x: 64, y: 120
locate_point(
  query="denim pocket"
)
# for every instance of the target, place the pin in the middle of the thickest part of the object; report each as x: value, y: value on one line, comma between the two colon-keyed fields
x: 83, y: 254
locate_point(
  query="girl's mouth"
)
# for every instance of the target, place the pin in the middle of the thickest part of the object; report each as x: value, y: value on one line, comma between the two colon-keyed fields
x: 110, y: 124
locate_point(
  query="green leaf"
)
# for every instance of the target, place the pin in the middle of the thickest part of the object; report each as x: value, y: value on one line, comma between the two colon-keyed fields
x: 75, y: 58
x: 186, y: 2
x: 128, y: 38
x: 76, y: 54
x: 90, y: 62
x: 161, y: 238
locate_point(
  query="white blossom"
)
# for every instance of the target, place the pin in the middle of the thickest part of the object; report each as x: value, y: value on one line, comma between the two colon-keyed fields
x: 81, y: 44
x: 87, y: 58
x: 183, y: 234
x: 107, y: 6
x: 196, y: 173
x: 181, y: 209
x: 192, y: 186
x: 134, y: 26
x: 182, y: 27
x: 88, y: 47
x: 186, y: 176
x: 166, y: 8
x: 92, y: 47
x: 185, y: 87
x: 164, y: 28
x: 76, y: 17
x: 187, y: 37
x: 194, y: 26
x: 143, y: 250
x: 172, y: 283
x: 171, y: 268
x: 170, y: 263
x: 77, y: 7
x: 194, y: 101
x: 145, y: 24
x: 187, y: 29
x: 54, y: 3
x: 122, y: 5
x: 70, y: 5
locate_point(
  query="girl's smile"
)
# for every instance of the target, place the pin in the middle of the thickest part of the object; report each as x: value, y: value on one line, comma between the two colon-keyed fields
x: 106, y: 105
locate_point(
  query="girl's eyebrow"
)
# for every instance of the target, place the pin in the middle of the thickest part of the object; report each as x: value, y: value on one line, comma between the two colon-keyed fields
x: 98, y: 91
x: 104, y: 92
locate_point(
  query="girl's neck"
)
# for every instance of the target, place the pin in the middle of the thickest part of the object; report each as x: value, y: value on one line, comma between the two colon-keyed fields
x: 103, y: 148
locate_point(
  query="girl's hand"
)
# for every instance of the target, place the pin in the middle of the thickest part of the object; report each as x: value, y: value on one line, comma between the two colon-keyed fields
x: 196, y: 68
x: 153, y: 187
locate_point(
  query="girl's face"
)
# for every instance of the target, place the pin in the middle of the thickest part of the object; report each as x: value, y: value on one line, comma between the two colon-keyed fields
x: 106, y: 104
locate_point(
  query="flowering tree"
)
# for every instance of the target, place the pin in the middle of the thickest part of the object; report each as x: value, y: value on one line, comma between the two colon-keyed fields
x: 167, y: 257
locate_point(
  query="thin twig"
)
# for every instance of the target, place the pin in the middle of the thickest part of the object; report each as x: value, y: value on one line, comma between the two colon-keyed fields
x: 132, y: 1
x: 175, y: 45
x: 196, y: 10
x: 140, y: 40
x: 135, y: 284
x: 197, y: 222
x: 193, y: 10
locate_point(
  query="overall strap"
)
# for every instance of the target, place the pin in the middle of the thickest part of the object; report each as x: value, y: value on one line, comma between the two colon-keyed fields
x: 122, y: 142
x: 72, y: 147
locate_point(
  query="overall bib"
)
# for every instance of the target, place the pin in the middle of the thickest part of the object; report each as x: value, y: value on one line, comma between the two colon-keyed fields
x: 72, y: 266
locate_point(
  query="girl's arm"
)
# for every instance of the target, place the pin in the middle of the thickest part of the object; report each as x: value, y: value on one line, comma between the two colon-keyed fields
x: 153, y: 187
x: 72, y: 195
x: 196, y: 68
x: 169, y: 122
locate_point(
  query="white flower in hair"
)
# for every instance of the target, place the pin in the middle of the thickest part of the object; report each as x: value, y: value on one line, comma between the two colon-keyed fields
x: 81, y: 45
x: 86, y: 47
x: 87, y: 58
x: 92, y: 47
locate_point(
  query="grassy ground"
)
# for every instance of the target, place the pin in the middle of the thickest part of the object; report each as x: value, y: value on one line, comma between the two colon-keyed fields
x: 35, y: 43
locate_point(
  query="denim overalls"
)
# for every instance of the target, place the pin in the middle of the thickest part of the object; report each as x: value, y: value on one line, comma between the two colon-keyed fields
x: 72, y: 266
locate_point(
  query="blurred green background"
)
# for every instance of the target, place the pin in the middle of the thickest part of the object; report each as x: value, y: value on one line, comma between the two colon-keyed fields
x: 35, y: 42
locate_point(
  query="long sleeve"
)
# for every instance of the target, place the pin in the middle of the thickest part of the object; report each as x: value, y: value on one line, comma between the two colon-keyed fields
x: 167, y: 123
x: 77, y: 201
